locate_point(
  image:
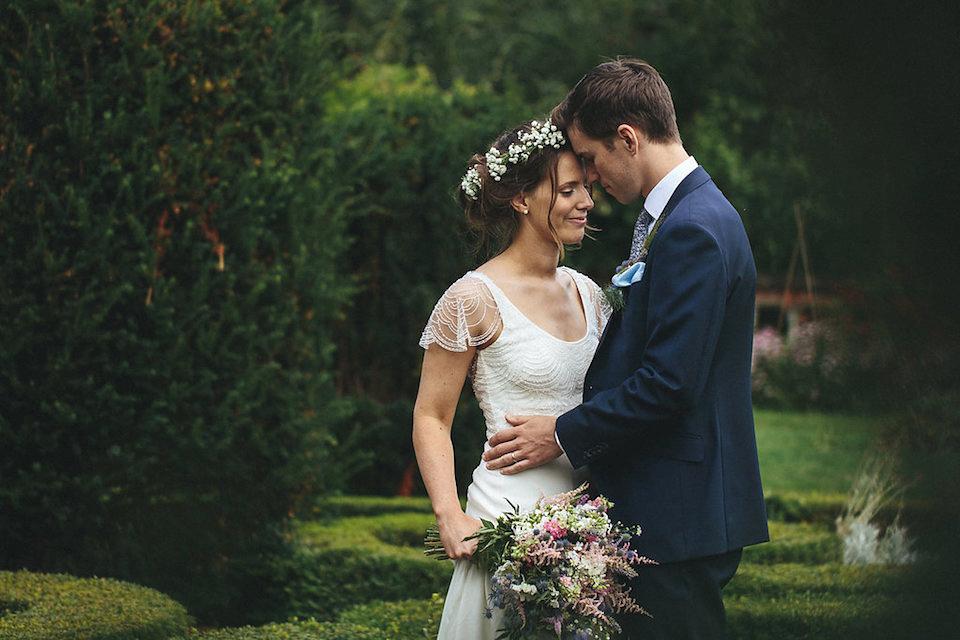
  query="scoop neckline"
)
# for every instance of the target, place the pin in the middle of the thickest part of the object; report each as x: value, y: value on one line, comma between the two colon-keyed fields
x: 583, y: 305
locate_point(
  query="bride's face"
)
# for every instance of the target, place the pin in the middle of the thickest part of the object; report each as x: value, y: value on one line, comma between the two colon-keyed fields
x: 569, y: 214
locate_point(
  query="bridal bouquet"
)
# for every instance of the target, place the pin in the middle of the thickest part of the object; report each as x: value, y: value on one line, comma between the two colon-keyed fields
x: 558, y: 569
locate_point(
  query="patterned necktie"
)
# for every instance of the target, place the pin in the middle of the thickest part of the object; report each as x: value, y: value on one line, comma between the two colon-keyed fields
x: 640, y: 235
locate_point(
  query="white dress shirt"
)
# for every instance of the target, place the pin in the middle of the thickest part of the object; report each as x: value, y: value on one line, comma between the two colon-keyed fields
x: 658, y: 197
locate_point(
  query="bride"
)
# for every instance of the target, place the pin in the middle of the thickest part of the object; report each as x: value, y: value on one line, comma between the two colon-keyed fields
x: 523, y: 329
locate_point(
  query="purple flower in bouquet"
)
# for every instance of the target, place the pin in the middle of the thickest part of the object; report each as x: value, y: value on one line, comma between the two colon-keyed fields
x: 560, y: 568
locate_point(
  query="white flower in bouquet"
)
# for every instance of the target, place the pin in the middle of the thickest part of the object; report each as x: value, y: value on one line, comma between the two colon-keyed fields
x: 560, y: 568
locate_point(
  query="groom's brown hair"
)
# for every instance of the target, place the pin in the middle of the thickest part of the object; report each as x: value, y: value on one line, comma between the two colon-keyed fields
x: 621, y: 91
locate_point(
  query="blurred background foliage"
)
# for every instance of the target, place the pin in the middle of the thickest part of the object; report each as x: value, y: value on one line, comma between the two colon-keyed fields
x: 224, y: 223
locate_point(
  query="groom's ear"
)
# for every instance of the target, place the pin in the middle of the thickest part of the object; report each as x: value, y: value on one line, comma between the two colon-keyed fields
x: 630, y: 136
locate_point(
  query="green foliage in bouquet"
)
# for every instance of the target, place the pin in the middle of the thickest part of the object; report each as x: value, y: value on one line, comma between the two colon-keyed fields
x: 168, y: 281
x: 560, y: 567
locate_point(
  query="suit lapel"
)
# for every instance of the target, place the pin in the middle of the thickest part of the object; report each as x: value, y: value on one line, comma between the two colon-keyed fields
x: 697, y: 178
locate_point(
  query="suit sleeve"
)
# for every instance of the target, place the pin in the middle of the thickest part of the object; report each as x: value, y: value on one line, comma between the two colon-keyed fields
x: 687, y: 296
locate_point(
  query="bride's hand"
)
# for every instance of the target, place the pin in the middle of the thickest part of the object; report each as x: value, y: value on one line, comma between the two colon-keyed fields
x: 453, y: 530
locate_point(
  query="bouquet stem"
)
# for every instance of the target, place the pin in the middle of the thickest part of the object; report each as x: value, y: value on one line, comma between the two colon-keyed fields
x: 433, y: 547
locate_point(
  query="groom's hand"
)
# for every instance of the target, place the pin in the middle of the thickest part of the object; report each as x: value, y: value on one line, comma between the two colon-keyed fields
x: 529, y: 443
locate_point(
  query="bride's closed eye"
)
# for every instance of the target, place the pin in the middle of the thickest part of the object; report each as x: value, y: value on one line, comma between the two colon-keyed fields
x: 569, y: 190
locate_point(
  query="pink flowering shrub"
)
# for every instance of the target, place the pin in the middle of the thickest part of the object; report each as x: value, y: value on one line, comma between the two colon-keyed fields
x: 812, y: 367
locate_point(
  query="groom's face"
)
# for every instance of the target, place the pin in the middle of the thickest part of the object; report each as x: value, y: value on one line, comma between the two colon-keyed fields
x: 608, y: 163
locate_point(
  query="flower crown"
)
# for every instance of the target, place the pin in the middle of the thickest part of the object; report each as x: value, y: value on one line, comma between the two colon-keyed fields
x: 540, y: 136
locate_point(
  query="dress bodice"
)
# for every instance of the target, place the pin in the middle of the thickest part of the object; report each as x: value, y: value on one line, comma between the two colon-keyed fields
x: 527, y: 370
x: 518, y: 368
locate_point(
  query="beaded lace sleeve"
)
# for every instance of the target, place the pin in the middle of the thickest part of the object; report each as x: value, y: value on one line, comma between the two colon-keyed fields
x: 604, y: 310
x: 465, y: 316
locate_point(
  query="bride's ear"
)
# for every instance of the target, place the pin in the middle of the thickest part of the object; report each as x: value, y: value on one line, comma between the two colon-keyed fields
x: 519, y: 202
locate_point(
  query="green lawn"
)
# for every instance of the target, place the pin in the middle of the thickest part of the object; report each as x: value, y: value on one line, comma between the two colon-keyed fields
x: 811, y: 451
x: 820, y: 453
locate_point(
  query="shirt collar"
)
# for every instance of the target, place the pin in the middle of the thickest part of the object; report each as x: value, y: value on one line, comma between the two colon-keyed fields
x: 659, y: 196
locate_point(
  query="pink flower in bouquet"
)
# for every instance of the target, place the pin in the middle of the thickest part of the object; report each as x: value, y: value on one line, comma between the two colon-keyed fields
x: 561, y: 567
x: 554, y: 529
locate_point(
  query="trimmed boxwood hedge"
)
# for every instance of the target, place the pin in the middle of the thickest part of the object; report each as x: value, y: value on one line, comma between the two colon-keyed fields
x: 797, y: 542
x: 57, y: 607
x: 800, y: 506
x: 403, y: 619
x: 353, y: 561
x: 365, y: 577
x: 787, y: 601
x: 335, y: 507
x: 372, y: 621
x: 307, y: 630
x: 795, y: 581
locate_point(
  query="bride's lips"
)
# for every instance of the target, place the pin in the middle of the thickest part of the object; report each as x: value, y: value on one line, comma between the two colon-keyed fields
x: 578, y: 220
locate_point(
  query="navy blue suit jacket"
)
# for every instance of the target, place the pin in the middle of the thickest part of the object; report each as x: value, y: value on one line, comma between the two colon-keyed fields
x: 666, y: 425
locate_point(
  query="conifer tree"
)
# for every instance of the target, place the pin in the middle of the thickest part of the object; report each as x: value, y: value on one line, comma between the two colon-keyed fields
x: 168, y: 282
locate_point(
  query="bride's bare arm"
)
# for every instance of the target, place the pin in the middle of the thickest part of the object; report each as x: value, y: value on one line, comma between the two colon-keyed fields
x: 441, y: 381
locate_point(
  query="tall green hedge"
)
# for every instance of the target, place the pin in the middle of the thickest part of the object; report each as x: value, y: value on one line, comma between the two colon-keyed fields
x: 169, y: 241
x: 402, y: 144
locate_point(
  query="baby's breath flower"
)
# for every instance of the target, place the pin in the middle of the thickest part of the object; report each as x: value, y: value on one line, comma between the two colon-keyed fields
x: 471, y: 183
x: 540, y: 136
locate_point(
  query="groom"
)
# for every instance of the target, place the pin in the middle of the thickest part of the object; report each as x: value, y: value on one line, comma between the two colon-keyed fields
x: 666, y: 424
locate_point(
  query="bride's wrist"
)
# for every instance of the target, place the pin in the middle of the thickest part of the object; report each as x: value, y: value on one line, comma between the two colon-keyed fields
x: 445, y: 516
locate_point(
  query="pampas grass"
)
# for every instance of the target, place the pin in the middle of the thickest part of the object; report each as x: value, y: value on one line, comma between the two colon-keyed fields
x: 876, y: 492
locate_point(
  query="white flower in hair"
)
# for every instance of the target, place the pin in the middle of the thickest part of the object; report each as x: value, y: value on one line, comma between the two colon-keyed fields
x: 496, y: 163
x: 540, y: 136
x: 471, y: 183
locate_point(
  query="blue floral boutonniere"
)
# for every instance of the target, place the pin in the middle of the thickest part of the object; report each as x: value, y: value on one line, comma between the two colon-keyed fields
x: 627, y: 274
x: 631, y: 271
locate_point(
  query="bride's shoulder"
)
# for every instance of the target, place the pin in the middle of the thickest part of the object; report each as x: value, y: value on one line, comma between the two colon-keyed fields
x: 466, y: 315
x: 593, y: 293
x: 581, y: 278
x: 471, y: 297
x: 470, y: 286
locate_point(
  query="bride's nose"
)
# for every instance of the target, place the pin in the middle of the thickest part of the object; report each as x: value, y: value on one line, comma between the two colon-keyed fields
x: 586, y: 203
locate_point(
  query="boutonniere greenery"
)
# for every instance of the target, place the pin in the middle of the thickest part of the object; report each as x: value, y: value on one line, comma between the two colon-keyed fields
x: 629, y: 271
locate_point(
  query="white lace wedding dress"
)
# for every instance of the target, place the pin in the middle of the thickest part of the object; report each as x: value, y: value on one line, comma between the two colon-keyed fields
x: 526, y: 371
